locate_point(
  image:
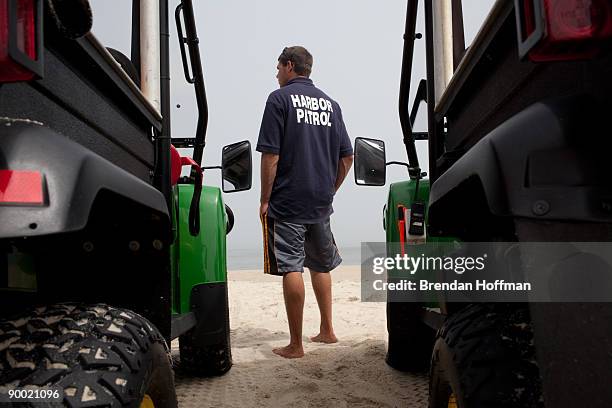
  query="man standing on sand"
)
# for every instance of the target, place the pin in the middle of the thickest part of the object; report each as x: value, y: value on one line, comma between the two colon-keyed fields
x: 306, y: 154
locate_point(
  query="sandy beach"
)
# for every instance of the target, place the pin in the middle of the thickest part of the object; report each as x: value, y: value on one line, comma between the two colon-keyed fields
x: 350, y: 373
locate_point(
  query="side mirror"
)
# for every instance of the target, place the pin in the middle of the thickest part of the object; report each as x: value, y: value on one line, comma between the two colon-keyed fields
x: 236, y: 167
x: 370, y: 162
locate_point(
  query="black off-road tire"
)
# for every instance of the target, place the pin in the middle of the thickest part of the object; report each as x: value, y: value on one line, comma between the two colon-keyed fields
x: 485, y: 357
x: 97, y: 355
x: 207, y: 354
x: 410, y: 339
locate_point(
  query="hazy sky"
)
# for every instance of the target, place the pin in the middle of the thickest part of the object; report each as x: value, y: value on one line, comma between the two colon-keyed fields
x: 357, y: 49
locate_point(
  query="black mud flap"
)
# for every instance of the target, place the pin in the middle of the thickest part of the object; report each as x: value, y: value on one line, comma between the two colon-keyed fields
x: 212, y: 325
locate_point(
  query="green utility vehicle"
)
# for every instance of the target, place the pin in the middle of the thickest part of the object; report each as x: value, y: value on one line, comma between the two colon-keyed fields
x: 106, y: 252
x: 519, y: 151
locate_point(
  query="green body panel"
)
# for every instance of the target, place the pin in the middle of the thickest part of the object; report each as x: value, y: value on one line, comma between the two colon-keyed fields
x: 402, y: 193
x: 199, y: 259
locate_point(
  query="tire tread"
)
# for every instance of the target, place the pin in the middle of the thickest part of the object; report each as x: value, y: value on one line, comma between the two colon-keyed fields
x: 82, y: 349
x: 492, y: 351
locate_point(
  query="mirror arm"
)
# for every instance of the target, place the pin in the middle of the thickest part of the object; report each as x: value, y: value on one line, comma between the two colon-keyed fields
x: 212, y: 167
x: 398, y: 163
x: 415, y: 173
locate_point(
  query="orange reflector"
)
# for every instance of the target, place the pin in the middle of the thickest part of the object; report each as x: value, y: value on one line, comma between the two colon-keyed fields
x: 21, y: 187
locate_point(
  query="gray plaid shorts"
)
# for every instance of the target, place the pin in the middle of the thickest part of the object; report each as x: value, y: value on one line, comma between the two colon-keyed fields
x: 289, y: 247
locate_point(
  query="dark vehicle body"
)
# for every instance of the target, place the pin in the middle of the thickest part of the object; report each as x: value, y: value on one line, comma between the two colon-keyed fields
x: 87, y: 104
x: 518, y: 152
x: 103, y: 246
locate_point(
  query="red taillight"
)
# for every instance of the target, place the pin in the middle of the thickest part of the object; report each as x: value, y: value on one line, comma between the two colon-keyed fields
x: 21, y: 187
x: 555, y: 30
x: 20, y: 42
x: 575, y: 20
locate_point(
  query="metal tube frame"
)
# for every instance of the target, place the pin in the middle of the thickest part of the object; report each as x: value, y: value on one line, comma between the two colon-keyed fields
x: 414, y: 170
x: 197, y: 78
x: 150, y: 50
x: 162, y: 167
x: 432, y: 125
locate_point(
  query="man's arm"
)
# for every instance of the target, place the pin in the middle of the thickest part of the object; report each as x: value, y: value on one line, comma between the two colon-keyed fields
x: 344, y: 165
x: 269, y: 162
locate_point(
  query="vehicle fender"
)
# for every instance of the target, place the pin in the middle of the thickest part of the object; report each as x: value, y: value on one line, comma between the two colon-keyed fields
x: 547, y: 162
x: 72, y: 178
x: 201, y: 258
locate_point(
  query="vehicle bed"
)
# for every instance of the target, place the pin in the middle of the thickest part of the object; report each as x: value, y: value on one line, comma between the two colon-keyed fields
x: 491, y: 84
x: 86, y: 96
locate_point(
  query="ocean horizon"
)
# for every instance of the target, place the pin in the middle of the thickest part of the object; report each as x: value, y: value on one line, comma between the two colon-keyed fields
x: 252, y: 258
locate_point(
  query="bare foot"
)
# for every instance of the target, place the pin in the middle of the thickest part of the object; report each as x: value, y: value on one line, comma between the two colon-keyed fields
x: 325, y: 338
x: 289, y: 351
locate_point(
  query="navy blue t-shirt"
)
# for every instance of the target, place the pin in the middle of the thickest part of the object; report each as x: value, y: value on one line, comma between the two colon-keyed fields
x: 304, y: 127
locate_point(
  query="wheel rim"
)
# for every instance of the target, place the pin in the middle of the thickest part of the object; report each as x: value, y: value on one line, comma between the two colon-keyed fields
x: 452, y: 401
x: 147, y: 402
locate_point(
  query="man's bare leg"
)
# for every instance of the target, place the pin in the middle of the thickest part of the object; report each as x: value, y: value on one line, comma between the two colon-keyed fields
x: 293, y: 291
x: 321, y: 283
